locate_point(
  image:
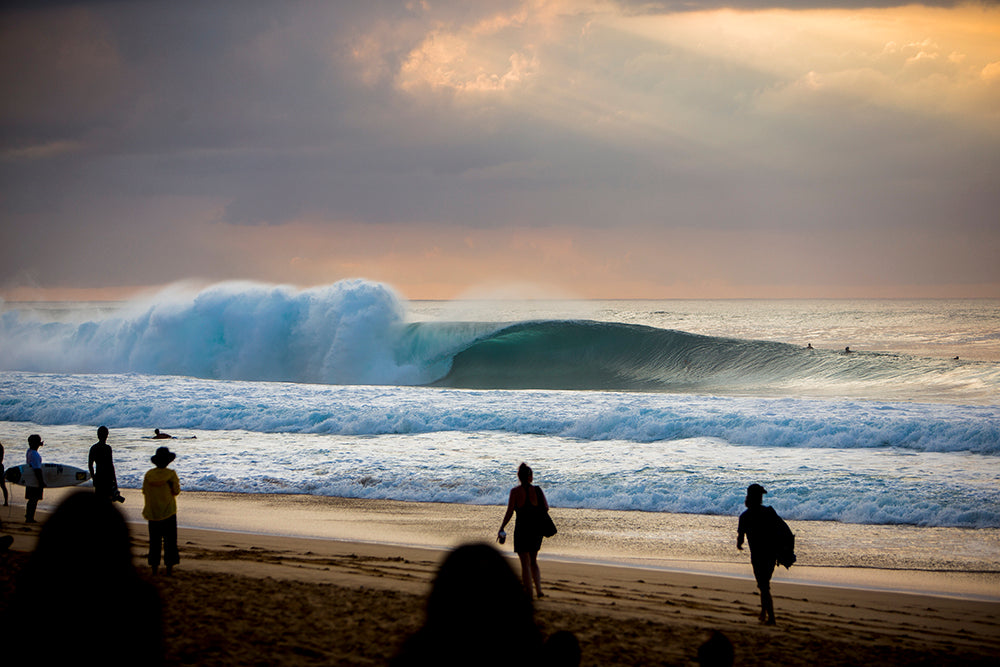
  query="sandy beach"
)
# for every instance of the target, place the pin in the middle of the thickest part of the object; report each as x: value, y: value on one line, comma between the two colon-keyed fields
x: 304, y: 580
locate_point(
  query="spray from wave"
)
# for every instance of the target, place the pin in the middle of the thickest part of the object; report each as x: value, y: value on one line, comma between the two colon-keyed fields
x: 356, y: 332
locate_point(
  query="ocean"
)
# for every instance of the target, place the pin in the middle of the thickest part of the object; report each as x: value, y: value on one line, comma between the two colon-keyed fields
x: 673, y: 406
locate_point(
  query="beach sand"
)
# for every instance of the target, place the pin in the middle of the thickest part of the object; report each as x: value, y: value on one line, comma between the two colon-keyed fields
x: 297, y: 580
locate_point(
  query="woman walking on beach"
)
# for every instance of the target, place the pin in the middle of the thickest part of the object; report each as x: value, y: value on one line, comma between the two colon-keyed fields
x: 531, y: 507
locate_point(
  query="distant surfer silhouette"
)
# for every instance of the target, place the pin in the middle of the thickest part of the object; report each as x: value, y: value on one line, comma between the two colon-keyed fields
x: 847, y: 350
x: 809, y: 346
x: 160, y: 435
x: 771, y: 542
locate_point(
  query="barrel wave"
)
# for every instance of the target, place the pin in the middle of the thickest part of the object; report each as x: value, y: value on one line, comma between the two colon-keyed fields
x: 356, y: 332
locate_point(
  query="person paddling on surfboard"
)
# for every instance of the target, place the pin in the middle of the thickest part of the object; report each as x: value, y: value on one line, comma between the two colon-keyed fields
x: 32, y: 494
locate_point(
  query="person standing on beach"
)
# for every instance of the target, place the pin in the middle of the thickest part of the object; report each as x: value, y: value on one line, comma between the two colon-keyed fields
x: 160, y: 487
x: 530, y: 505
x: 3, y: 482
x: 764, y: 530
x: 102, y: 468
x: 32, y: 494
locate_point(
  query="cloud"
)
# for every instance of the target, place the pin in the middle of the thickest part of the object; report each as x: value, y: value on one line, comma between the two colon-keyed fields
x: 135, y: 126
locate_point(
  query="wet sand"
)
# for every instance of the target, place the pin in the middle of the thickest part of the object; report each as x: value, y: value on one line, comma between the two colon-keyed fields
x: 305, y: 580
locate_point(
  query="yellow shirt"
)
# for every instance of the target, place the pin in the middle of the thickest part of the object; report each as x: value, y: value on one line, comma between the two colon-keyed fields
x: 159, y: 487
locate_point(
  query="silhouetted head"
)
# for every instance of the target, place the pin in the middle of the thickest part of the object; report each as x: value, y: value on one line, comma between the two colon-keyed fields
x: 525, y: 474
x: 562, y: 649
x: 162, y: 457
x: 85, y: 545
x: 755, y: 495
x: 716, y: 652
x: 477, y: 601
x: 86, y: 536
x: 35, y: 441
x: 102, y: 433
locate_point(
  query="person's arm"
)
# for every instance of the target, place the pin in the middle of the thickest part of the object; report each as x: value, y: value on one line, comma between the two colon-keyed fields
x: 510, y: 511
x: 175, y: 484
x: 740, y: 534
x: 38, y: 474
x: 90, y: 462
x: 541, y: 497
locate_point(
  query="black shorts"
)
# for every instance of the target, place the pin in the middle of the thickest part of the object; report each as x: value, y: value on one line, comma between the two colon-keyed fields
x: 33, y: 492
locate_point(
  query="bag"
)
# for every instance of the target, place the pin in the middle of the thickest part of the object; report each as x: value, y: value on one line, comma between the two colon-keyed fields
x: 548, y: 526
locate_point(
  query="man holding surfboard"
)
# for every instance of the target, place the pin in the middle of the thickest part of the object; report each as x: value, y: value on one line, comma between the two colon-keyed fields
x: 32, y: 494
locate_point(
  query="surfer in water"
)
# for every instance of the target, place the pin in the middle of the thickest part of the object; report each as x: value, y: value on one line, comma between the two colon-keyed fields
x: 32, y: 494
x: 160, y: 435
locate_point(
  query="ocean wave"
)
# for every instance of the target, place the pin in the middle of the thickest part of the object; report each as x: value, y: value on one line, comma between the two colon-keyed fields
x: 177, y: 402
x: 355, y: 332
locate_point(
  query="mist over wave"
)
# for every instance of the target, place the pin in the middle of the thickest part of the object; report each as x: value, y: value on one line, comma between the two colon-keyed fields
x: 356, y: 332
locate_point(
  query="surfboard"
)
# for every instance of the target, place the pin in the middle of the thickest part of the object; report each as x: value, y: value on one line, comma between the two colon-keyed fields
x: 54, y: 474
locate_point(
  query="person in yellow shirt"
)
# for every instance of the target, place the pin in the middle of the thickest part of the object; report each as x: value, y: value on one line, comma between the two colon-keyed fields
x: 160, y: 487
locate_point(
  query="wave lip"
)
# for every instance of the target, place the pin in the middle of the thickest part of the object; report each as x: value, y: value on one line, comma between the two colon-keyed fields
x: 355, y: 332
x: 630, y: 357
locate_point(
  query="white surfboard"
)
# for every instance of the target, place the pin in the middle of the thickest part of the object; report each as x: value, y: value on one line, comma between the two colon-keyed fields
x: 54, y: 474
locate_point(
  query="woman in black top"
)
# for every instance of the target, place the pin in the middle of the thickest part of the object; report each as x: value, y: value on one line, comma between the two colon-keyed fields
x: 530, y: 505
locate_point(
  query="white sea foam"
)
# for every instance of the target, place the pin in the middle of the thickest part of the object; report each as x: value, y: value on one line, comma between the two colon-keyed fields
x: 349, y: 426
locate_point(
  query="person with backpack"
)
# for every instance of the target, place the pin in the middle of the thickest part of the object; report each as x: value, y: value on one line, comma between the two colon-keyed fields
x: 771, y: 542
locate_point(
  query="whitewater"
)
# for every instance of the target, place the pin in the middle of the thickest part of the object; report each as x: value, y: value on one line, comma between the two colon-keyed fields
x: 658, y: 406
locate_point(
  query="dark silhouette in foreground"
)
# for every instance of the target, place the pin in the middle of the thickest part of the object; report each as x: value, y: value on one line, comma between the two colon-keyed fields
x: 562, y: 649
x: 771, y: 542
x: 80, y: 591
x: 532, y: 509
x: 717, y: 651
x: 477, y: 614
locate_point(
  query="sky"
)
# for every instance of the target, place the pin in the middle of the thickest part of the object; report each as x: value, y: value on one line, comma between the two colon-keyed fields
x: 590, y: 148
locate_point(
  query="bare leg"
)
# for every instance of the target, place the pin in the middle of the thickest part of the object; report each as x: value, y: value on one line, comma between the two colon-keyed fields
x: 766, y: 604
x: 526, y: 571
x: 535, y: 573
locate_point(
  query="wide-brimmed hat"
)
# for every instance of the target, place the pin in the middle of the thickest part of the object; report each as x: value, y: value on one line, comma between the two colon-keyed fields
x: 163, y: 456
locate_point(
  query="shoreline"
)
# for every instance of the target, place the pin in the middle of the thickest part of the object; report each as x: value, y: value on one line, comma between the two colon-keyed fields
x: 891, y: 559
